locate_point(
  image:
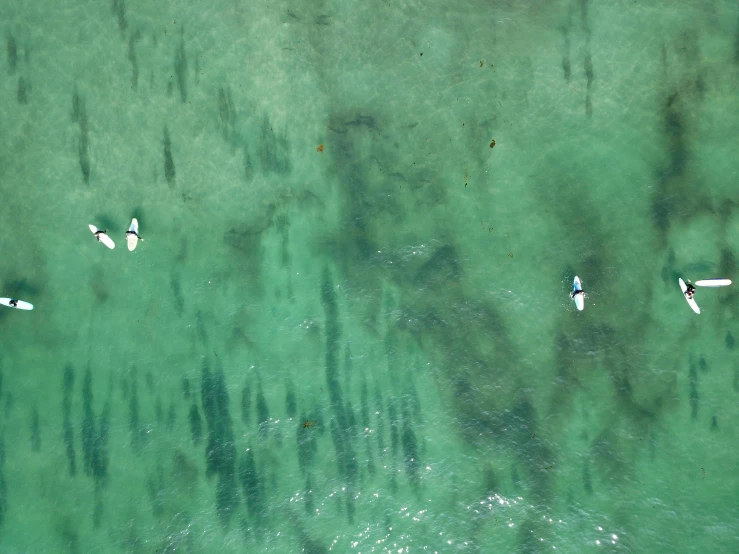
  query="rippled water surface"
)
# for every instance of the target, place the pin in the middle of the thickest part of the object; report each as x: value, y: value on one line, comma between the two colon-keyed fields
x: 348, y: 326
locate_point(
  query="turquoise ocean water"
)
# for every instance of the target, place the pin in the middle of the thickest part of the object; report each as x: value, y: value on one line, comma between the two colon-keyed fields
x: 348, y: 327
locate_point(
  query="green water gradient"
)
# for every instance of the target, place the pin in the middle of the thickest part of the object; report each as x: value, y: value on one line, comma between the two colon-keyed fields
x: 348, y: 328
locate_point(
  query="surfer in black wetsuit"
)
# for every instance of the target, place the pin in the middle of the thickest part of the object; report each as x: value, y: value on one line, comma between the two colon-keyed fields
x: 689, y: 291
x: 576, y: 292
x: 134, y: 233
x: 13, y: 303
x: 99, y: 232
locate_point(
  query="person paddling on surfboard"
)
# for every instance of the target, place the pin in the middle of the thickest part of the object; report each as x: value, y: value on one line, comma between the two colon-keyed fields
x: 13, y: 303
x: 100, y: 232
x: 576, y: 292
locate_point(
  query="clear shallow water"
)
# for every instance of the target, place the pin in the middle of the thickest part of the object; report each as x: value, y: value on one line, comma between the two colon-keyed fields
x: 404, y: 290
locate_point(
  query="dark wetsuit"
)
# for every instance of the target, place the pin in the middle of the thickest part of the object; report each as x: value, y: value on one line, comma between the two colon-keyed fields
x: 576, y: 292
x: 13, y: 303
x: 690, y: 290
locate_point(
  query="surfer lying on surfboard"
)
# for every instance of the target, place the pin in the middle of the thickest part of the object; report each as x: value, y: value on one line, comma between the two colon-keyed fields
x: 15, y: 303
x: 690, y: 290
x: 102, y: 236
x: 577, y: 294
x: 133, y: 234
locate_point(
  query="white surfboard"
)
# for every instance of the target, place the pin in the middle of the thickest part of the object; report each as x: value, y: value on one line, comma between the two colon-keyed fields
x: 713, y: 283
x: 105, y: 239
x: 579, y: 298
x: 132, y: 238
x: 691, y: 301
x: 20, y: 304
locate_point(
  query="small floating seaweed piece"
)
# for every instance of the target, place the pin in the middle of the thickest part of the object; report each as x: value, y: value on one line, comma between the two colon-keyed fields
x: 319, y: 148
x: 492, y: 143
x: 307, y: 424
